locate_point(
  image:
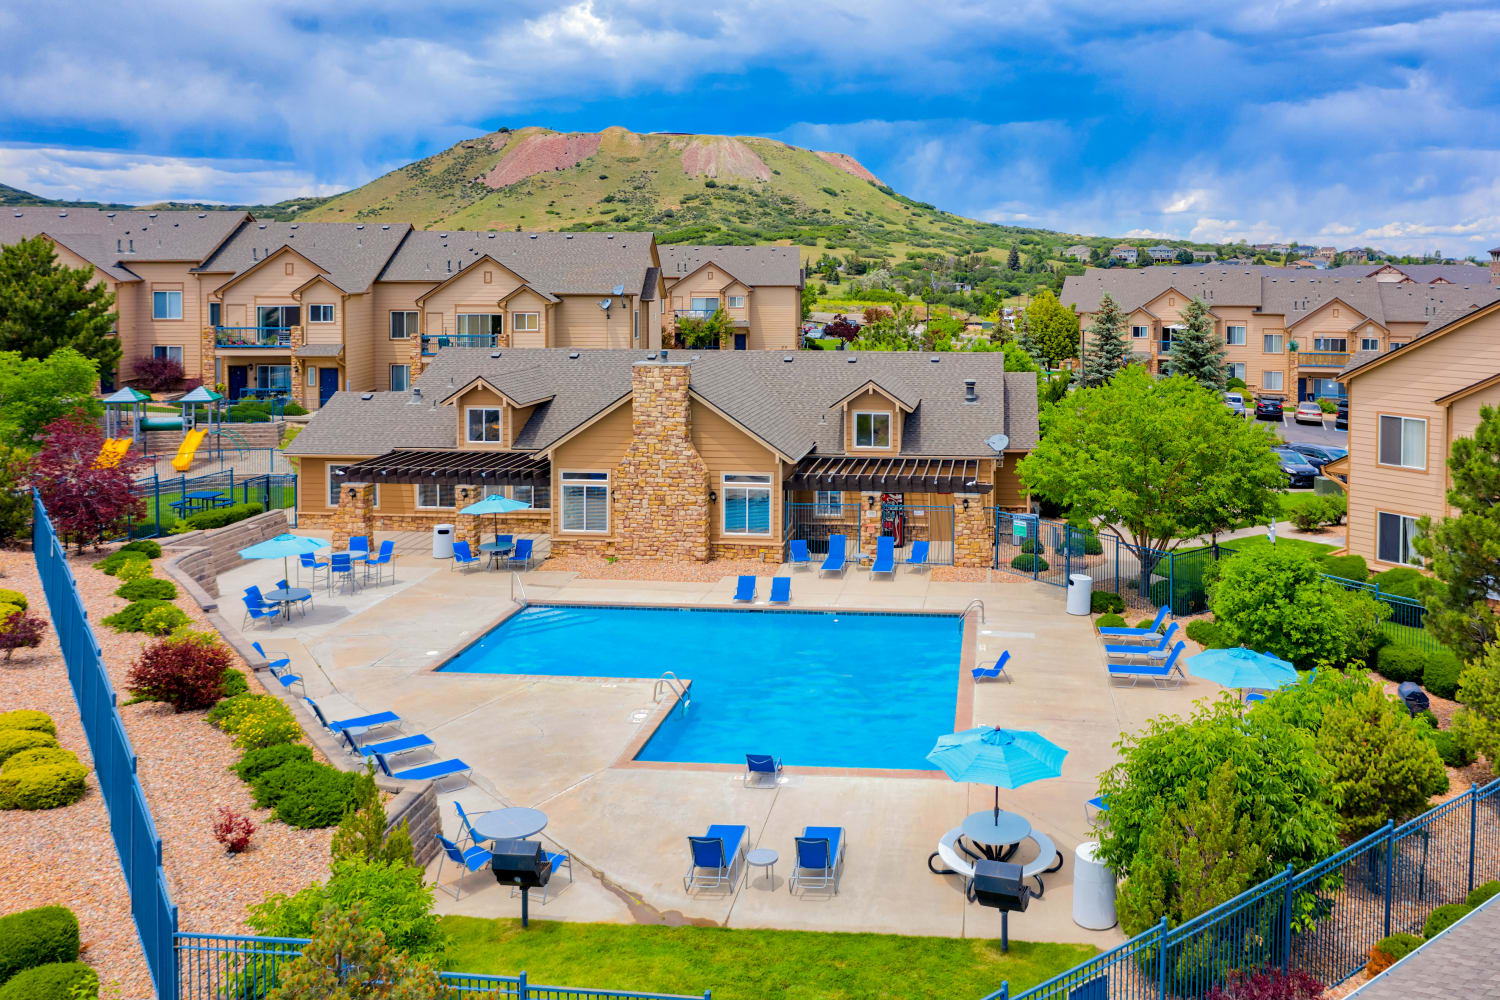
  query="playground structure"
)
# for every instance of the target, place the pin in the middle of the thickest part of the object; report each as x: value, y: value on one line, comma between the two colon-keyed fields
x: 203, y: 414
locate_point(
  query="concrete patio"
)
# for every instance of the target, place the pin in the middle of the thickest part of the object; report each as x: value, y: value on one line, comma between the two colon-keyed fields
x: 555, y: 744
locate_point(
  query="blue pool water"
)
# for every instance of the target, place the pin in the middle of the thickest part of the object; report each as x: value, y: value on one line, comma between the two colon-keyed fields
x: 816, y: 689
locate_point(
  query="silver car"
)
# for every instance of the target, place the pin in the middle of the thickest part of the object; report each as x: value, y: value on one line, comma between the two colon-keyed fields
x: 1235, y: 401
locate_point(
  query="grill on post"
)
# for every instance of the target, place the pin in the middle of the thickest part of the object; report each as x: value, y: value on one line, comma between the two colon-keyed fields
x: 521, y: 863
x: 999, y: 884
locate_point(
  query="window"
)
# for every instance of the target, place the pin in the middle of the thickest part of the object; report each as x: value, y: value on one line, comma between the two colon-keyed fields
x: 1235, y: 369
x: 747, y: 504
x: 400, y: 378
x: 278, y: 317
x: 166, y: 305
x: 434, y: 495
x: 403, y: 325
x: 704, y: 304
x: 736, y: 302
x: 540, y: 497
x: 1339, y: 344
x: 320, y: 314
x: 872, y: 430
x: 1139, y: 332
x: 585, y: 501
x: 273, y: 377
x: 526, y: 322
x: 1234, y: 336
x: 1397, y: 347
x: 215, y: 310
x: 1270, y: 380
x: 1369, y: 343
x: 828, y: 503
x: 482, y: 325
x: 1272, y: 343
x: 1394, y: 534
x: 161, y: 353
x: 484, y: 424
x: 335, y: 480
x: 312, y: 376
x: 1403, y: 442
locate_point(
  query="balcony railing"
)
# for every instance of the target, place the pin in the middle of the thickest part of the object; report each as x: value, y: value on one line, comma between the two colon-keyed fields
x: 436, y: 342
x: 1323, y: 359
x: 693, y: 313
x: 1164, y: 347
x: 253, y: 336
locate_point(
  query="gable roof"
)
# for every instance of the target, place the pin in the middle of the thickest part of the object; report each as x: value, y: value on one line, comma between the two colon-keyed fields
x: 1468, y: 390
x: 764, y: 265
x: 106, y: 238
x: 283, y: 251
x: 449, y: 278
x: 350, y: 254
x: 560, y: 263
x: 1366, y: 361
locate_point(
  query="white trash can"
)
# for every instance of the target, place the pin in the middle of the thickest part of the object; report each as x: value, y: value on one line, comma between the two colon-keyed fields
x: 1093, y: 889
x: 1080, y: 594
x: 442, y: 541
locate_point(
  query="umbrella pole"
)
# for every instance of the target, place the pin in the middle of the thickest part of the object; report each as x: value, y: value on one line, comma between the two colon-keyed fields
x: 997, y: 804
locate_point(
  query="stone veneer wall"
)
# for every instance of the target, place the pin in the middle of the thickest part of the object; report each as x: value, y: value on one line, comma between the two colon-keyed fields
x: 973, y: 538
x: 659, y: 491
x: 355, y: 514
x: 762, y: 553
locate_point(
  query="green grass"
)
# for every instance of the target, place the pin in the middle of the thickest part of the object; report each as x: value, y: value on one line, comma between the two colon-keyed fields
x: 1295, y: 544
x: 753, y: 964
x: 281, y: 497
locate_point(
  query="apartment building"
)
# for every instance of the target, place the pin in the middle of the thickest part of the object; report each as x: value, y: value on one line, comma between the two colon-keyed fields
x: 759, y: 289
x: 1078, y: 252
x: 1286, y: 332
x: 1125, y: 253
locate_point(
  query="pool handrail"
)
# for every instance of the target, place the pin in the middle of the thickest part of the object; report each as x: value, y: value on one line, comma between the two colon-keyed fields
x: 515, y: 581
x: 970, y: 607
x: 672, y: 683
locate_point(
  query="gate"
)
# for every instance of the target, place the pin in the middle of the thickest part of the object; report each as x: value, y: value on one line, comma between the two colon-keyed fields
x: 1050, y: 551
x: 815, y: 523
x: 930, y: 523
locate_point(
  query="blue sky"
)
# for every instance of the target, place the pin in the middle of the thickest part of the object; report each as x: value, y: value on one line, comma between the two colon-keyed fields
x: 1330, y: 122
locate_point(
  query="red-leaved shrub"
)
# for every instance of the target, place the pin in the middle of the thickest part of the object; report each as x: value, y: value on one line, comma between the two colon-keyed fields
x: 158, y: 374
x: 83, y: 498
x: 186, y: 671
x: 233, y: 830
x: 21, y: 631
x: 1267, y: 986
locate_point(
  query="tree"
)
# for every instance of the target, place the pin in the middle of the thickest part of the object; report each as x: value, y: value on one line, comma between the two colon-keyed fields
x: 1106, y: 345
x: 36, y: 391
x: 45, y: 305
x: 1054, y: 327
x: 1154, y: 461
x: 1024, y: 340
x: 1479, y: 693
x: 82, y: 499
x: 349, y: 958
x: 15, y: 499
x: 1017, y: 360
x: 362, y: 834
x: 1463, y: 552
x: 1197, y: 351
x: 1184, y: 256
x: 398, y: 897
x: 842, y: 327
x: 1013, y: 260
x: 710, y: 331
x: 809, y: 299
x: 1383, y: 767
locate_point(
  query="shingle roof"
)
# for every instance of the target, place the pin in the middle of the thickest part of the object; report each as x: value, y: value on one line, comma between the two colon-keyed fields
x: 351, y: 254
x: 350, y: 425
x: 1460, y: 962
x: 319, y: 351
x: 560, y: 263
x: 751, y: 265
x: 105, y: 238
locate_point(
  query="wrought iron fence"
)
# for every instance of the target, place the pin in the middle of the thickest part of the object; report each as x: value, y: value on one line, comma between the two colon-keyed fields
x: 1407, y: 623
x: 930, y: 523
x: 168, y: 500
x: 130, y: 823
x: 815, y: 523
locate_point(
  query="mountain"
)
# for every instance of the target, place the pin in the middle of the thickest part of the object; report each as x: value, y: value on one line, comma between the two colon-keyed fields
x: 288, y: 209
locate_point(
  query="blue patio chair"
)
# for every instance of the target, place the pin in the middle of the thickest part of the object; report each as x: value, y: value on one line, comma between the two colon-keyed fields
x: 715, y: 856
x: 918, y: 557
x: 424, y: 772
x: 386, y: 557
x: 745, y: 589
x: 1131, y: 650
x: 504, y: 542
x: 1099, y: 804
x: 759, y: 766
x: 836, y: 561
x: 390, y: 748
x: 357, y: 724
x: 1165, y: 675
x: 1254, y: 697
x: 359, y: 546
x: 885, y: 556
x: 280, y: 665
x: 341, y: 565
x: 995, y: 672
x: 309, y: 561
x: 462, y: 556
x: 820, y: 854
x: 303, y: 602
x: 521, y: 553
x: 797, y: 553
x: 781, y: 590
x: 256, y: 608
x: 472, y: 858
x: 557, y: 859
x: 1153, y: 632
x: 463, y: 822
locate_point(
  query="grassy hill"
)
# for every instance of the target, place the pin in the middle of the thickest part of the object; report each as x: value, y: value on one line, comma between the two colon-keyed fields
x: 281, y: 210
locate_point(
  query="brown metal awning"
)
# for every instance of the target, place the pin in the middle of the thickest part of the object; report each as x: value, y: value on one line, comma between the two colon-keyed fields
x: 918, y: 475
x: 453, y: 468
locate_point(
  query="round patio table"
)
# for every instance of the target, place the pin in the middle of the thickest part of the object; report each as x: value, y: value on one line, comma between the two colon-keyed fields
x: 996, y: 836
x: 515, y: 823
x: 494, y: 550
x: 286, y: 598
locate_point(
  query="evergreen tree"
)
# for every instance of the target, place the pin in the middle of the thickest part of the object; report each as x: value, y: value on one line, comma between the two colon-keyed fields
x: 1106, y: 346
x: 1024, y: 340
x: 349, y: 958
x: 1197, y: 351
x: 45, y: 305
x: 362, y: 832
x: 1013, y: 259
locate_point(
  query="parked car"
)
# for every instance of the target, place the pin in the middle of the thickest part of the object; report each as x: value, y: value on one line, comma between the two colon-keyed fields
x: 1341, y: 417
x: 1235, y: 402
x: 1299, y: 472
x: 1268, y: 407
x: 1318, y: 455
x: 1308, y: 412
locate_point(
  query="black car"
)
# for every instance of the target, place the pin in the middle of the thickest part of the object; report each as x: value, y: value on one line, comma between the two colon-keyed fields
x: 1268, y: 407
x: 1317, y: 455
x: 1299, y: 472
x: 1341, y: 418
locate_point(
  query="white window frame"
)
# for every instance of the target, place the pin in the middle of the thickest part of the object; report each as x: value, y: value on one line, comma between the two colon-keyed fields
x: 1407, y: 526
x: 312, y: 376
x: 1140, y: 333
x: 1272, y: 375
x: 532, y: 324
x: 1236, y: 370
x: 888, y: 429
x: 586, y: 481
x: 332, y: 493
x: 168, y: 352
x: 828, y: 503
x: 317, y: 309
x: 1273, y: 343
x: 1369, y: 343
x: 747, y: 483
x: 469, y: 424
x: 1401, y: 426
x: 736, y: 302
x: 410, y: 323
x: 439, y: 505
x: 1231, y: 331
x: 405, y: 377
x: 166, y: 296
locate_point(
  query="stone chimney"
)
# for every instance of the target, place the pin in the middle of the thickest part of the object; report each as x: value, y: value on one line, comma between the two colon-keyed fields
x: 1495, y: 266
x: 660, y: 488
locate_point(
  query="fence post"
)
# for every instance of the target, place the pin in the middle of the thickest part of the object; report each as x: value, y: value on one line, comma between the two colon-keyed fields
x: 1286, y: 955
x: 1390, y: 864
x: 521, y: 985
x: 1161, y: 959
x: 1473, y: 828
x: 1171, y: 582
x: 1067, y: 552
x: 156, y: 483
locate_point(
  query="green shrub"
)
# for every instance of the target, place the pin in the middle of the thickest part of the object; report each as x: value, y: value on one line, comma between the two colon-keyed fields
x: 1187, y: 597
x: 1390, y: 950
x: 54, y: 981
x: 1483, y: 893
x: 305, y: 794
x: 1029, y: 563
x: 1399, y: 582
x: 28, y: 718
x: 1444, y: 917
x: 1454, y: 751
x: 147, y: 589
x: 1207, y: 634
x: 1440, y: 675
x: 1427, y: 716
x: 13, y: 741
x: 1103, y: 601
x: 42, y: 779
x: 13, y: 597
x: 1031, y: 545
x: 36, y: 937
x: 111, y: 563
x: 256, y: 720
x: 164, y: 620
x: 1110, y: 621
x: 220, y: 516
x: 1400, y: 663
x: 1346, y: 567
x: 256, y: 762
x: 133, y: 569
x: 1079, y: 543
x: 1145, y: 623
x: 132, y: 617
x: 396, y: 897
x: 145, y: 546
x: 234, y: 683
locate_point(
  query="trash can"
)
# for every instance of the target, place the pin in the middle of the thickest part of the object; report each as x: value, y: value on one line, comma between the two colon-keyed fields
x: 1415, y: 698
x: 1093, y: 889
x: 1080, y: 594
x: 442, y: 541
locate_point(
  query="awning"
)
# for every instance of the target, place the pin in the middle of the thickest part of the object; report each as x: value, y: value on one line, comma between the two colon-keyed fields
x: 453, y: 468
x: 319, y: 351
x: 919, y: 475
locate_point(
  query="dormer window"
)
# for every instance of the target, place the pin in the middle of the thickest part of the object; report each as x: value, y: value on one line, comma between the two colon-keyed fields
x: 484, y: 424
x: 872, y: 429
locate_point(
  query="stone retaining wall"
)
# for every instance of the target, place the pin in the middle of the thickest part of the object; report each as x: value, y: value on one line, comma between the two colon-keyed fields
x: 254, y: 435
x: 202, y: 555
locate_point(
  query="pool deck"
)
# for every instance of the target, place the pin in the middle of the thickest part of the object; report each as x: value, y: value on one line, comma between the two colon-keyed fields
x: 556, y: 744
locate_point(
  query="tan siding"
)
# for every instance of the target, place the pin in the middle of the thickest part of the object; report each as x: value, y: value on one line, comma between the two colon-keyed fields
x: 312, y: 487
x: 870, y: 400
x: 775, y: 318
x: 186, y: 333
x: 481, y: 396
x: 527, y: 302
x: 322, y: 293
x: 388, y: 297
x: 1009, y: 492
x: 581, y: 323
x: 361, y: 369
x: 469, y: 293
x: 599, y: 448
x: 726, y: 448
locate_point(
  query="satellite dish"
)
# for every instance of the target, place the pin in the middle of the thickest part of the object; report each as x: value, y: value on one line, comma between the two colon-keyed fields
x: 619, y: 290
x: 606, y: 303
x: 997, y: 442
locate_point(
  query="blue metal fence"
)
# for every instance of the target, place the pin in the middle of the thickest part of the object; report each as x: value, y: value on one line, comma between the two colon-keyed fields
x: 165, y: 499
x: 130, y: 822
x: 1406, y: 626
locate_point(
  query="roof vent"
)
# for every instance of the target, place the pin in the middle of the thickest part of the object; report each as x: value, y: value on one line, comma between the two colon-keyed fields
x: 149, y: 215
x: 63, y: 214
x: 568, y: 237
x: 970, y: 396
x: 442, y: 236
x: 651, y: 356
x: 262, y: 225
x: 533, y: 235
x: 610, y: 236
x: 294, y: 225
x: 572, y: 355
x: 359, y: 225
x: 492, y: 235
x: 934, y: 359
x: 494, y: 354
x: 367, y: 395
x: 202, y: 215
x: 416, y: 395
x: 852, y: 359
x: 385, y: 227
x: 786, y: 358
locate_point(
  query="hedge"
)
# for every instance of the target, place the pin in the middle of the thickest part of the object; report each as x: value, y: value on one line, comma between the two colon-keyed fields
x: 1399, y: 582
x: 218, y: 517
x: 1440, y: 675
x: 42, y: 778
x: 145, y: 546
x: 1029, y: 563
x: 1390, y: 950
x: 1104, y: 601
x: 13, y: 597
x: 1188, y: 598
x: 110, y: 564
x: 1347, y: 567
x: 153, y: 616
x: 1483, y: 894
x: 1453, y: 751
x: 1400, y: 663
x: 305, y: 794
x: 234, y: 683
x: 1208, y: 634
x: 28, y: 718
x: 256, y: 762
x: 1110, y: 621
x: 1079, y: 543
x: 13, y: 741
x: 1444, y: 917
x: 1032, y: 545
x: 54, y: 981
x: 147, y: 589
x: 36, y: 937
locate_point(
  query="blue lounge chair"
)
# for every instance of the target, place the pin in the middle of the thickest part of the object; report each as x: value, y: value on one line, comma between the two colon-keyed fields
x: 386, y: 557
x: 1144, y: 650
x: 1154, y: 632
x: 280, y: 665
x: 304, y: 602
x: 758, y: 766
x: 1254, y: 697
x: 781, y: 590
x: 885, y: 556
x: 797, y: 553
x: 714, y: 856
x: 520, y: 554
x: 1099, y: 804
x: 995, y: 672
x: 357, y: 724
x: 918, y: 557
x: 256, y: 609
x: 388, y: 748
x: 1163, y: 675
x: 819, y: 860
x: 311, y: 562
x: 471, y: 858
x: 836, y: 561
x: 557, y: 859
x: 463, y: 556
x: 745, y: 589
x: 341, y: 564
x: 423, y: 772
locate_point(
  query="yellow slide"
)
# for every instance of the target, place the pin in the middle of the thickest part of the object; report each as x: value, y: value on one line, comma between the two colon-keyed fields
x: 114, y: 449
x: 184, y: 459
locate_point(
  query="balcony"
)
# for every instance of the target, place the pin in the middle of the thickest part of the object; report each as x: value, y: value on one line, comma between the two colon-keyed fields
x: 693, y: 313
x: 1164, y: 347
x: 432, y: 344
x: 253, y: 336
x: 1322, y: 359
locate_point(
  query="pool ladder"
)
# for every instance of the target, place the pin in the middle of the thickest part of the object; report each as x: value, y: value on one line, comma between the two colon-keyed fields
x: 975, y: 603
x: 515, y: 581
x: 670, y: 682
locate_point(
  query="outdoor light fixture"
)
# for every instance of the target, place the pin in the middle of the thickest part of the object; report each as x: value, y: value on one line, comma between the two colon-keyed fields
x: 966, y: 503
x: 871, y: 501
x: 713, y: 497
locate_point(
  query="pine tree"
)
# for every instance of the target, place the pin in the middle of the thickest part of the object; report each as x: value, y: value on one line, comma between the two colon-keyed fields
x: 349, y: 959
x: 362, y: 833
x: 1197, y: 351
x: 1106, y: 346
x: 45, y: 305
x: 1013, y: 260
x: 1023, y: 338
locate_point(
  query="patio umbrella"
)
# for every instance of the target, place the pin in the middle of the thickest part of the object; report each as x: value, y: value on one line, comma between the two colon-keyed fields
x: 495, y: 504
x: 1242, y: 668
x: 283, y: 547
x: 1005, y: 758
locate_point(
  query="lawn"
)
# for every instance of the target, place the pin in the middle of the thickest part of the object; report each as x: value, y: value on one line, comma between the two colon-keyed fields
x: 1294, y: 544
x: 752, y: 964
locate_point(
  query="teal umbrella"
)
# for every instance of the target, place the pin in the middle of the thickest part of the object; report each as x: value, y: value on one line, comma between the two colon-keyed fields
x: 495, y: 504
x: 283, y: 547
x: 1005, y: 758
x: 1242, y: 668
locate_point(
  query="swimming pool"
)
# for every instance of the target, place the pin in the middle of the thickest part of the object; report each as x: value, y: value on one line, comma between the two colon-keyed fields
x: 817, y: 689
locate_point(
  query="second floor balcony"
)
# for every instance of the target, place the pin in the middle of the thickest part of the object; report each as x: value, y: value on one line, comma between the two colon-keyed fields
x: 433, y: 343
x: 1322, y: 359
x: 693, y: 313
x: 253, y: 336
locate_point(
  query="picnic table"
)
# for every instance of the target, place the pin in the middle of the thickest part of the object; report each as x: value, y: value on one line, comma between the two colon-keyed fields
x: 195, y: 500
x: 495, y: 551
x: 286, y: 598
x: 996, y: 835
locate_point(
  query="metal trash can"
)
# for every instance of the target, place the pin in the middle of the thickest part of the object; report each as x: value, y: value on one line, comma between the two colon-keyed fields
x: 1093, y: 889
x: 1080, y: 594
x: 442, y: 541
